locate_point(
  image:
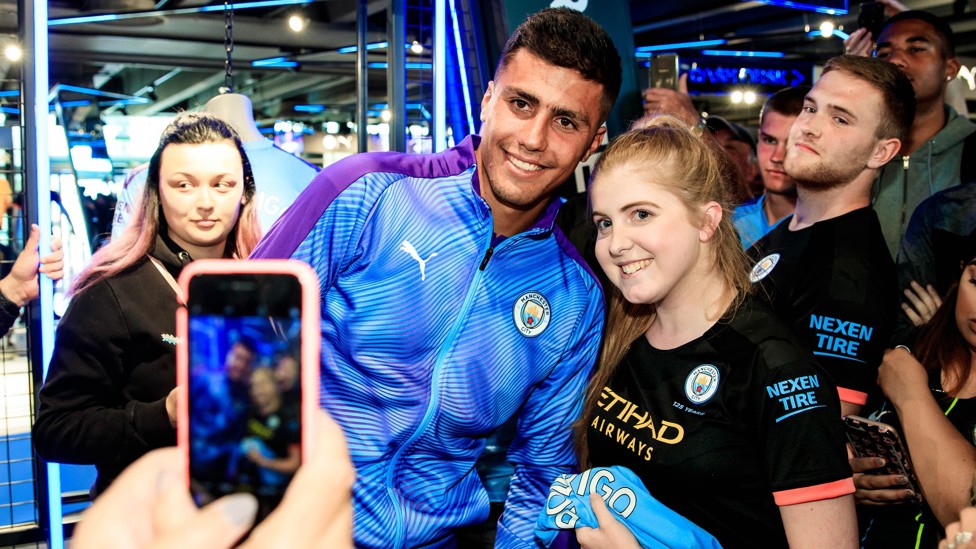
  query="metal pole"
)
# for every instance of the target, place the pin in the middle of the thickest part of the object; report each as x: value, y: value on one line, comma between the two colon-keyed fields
x: 440, y: 45
x: 362, y: 76
x: 396, y: 27
x: 37, y: 194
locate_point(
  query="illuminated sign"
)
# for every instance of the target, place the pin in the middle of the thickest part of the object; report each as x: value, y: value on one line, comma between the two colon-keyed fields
x: 760, y: 75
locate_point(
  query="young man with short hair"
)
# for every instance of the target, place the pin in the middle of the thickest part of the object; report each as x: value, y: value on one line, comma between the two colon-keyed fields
x: 759, y: 216
x: 827, y: 271
x: 923, y: 47
x: 451, y: 303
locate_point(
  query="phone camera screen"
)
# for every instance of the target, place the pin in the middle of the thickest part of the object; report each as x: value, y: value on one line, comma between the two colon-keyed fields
x: 244, y: 394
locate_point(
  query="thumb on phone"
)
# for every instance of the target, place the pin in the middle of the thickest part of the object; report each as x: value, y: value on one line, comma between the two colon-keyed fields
x: 683, y: 83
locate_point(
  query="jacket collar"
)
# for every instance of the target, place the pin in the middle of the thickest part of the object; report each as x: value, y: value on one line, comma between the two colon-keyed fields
x: 170, y: 254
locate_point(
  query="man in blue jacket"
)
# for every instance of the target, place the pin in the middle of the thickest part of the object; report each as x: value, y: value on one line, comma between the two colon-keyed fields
x: 451, y: 303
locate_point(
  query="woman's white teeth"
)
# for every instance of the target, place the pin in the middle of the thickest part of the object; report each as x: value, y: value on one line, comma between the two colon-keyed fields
x: 524, y: 165
x: 632, y: 268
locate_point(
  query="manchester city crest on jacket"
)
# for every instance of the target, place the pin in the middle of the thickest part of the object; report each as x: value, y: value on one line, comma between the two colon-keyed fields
x: 531, y: 314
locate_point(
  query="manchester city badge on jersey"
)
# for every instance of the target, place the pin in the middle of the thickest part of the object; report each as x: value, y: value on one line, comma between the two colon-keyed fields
x: 763, y: 268
x: 701, y: 383
x: 531, y: 314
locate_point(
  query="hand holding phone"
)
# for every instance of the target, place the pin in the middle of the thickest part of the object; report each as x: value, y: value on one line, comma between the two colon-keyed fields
x: 875, y: 439
x: 664, y: 71
x: 247, y: 357
x: 316, y: 512
x: 871, y: 17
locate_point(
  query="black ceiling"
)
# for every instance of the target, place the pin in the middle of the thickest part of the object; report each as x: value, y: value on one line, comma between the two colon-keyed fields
x: 177, y: 58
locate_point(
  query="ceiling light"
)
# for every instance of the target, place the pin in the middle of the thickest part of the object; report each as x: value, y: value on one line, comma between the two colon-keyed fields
x: 827, y: 29
x: 329, y: 142
x: 749, y: 97
x: 679, y: 46
x: 13, y: 52
x: 280, y: 62
x: 417, y: 48
x: 296, y: 23
x: 736, y: 97
x: 739, y: 53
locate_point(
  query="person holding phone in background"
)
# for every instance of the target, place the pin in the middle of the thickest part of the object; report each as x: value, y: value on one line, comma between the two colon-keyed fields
x: 932, y: 392
x: 502, y: 318
x: 698, y: 389
x: 933, y: 156
x: 870, y: 19
x: 110, y: 396
x: 668, y: 94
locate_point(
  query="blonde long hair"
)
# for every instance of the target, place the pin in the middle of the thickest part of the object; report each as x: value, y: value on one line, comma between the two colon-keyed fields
x: 138, y: 238
x: 689, y: 166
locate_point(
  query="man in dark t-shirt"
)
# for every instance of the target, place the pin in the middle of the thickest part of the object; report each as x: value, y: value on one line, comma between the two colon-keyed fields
x: 826, y: 270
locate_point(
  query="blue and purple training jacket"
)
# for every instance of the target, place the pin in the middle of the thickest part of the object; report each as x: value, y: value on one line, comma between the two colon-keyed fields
x: 433, y: 335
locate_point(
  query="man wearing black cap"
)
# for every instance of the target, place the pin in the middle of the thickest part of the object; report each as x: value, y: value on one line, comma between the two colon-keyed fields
x: 741, y: 148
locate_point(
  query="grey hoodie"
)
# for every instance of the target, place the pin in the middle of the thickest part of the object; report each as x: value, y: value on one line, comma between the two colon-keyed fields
x: 905, y: 181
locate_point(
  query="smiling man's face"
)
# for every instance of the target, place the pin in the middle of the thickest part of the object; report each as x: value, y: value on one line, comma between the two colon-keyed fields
x: 540, y: 121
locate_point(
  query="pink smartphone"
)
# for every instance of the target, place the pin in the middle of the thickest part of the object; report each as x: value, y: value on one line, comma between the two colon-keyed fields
x: 247, y: 364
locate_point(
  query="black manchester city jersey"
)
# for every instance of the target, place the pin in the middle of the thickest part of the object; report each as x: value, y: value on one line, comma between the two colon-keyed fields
x: 834, y: 284
x: 726, y: 427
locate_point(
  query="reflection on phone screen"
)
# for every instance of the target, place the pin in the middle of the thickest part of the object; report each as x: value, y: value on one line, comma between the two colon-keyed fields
x: 244, y: 406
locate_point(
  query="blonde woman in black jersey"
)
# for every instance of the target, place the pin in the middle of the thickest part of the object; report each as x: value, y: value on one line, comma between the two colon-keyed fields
x: 700, y: 390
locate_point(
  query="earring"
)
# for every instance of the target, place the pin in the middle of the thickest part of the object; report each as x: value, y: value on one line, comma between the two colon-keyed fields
x: 948, y: 79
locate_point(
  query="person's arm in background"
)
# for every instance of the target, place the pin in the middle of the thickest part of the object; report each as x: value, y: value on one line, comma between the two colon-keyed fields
x: 676, y: 103
x: 860, y: 42
x: 944, y: 460
x: 921, y: 303
x: 543, y: 447
x: 915, y: 263
x: 287, y: 464
x: 21, y: 285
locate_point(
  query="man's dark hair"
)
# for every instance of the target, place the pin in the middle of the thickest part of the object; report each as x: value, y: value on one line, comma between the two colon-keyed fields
x: 566, y: 38
x: 248, y: 343
x: 897, y: 94
x: 941, y: 27
x: 787, y: 101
